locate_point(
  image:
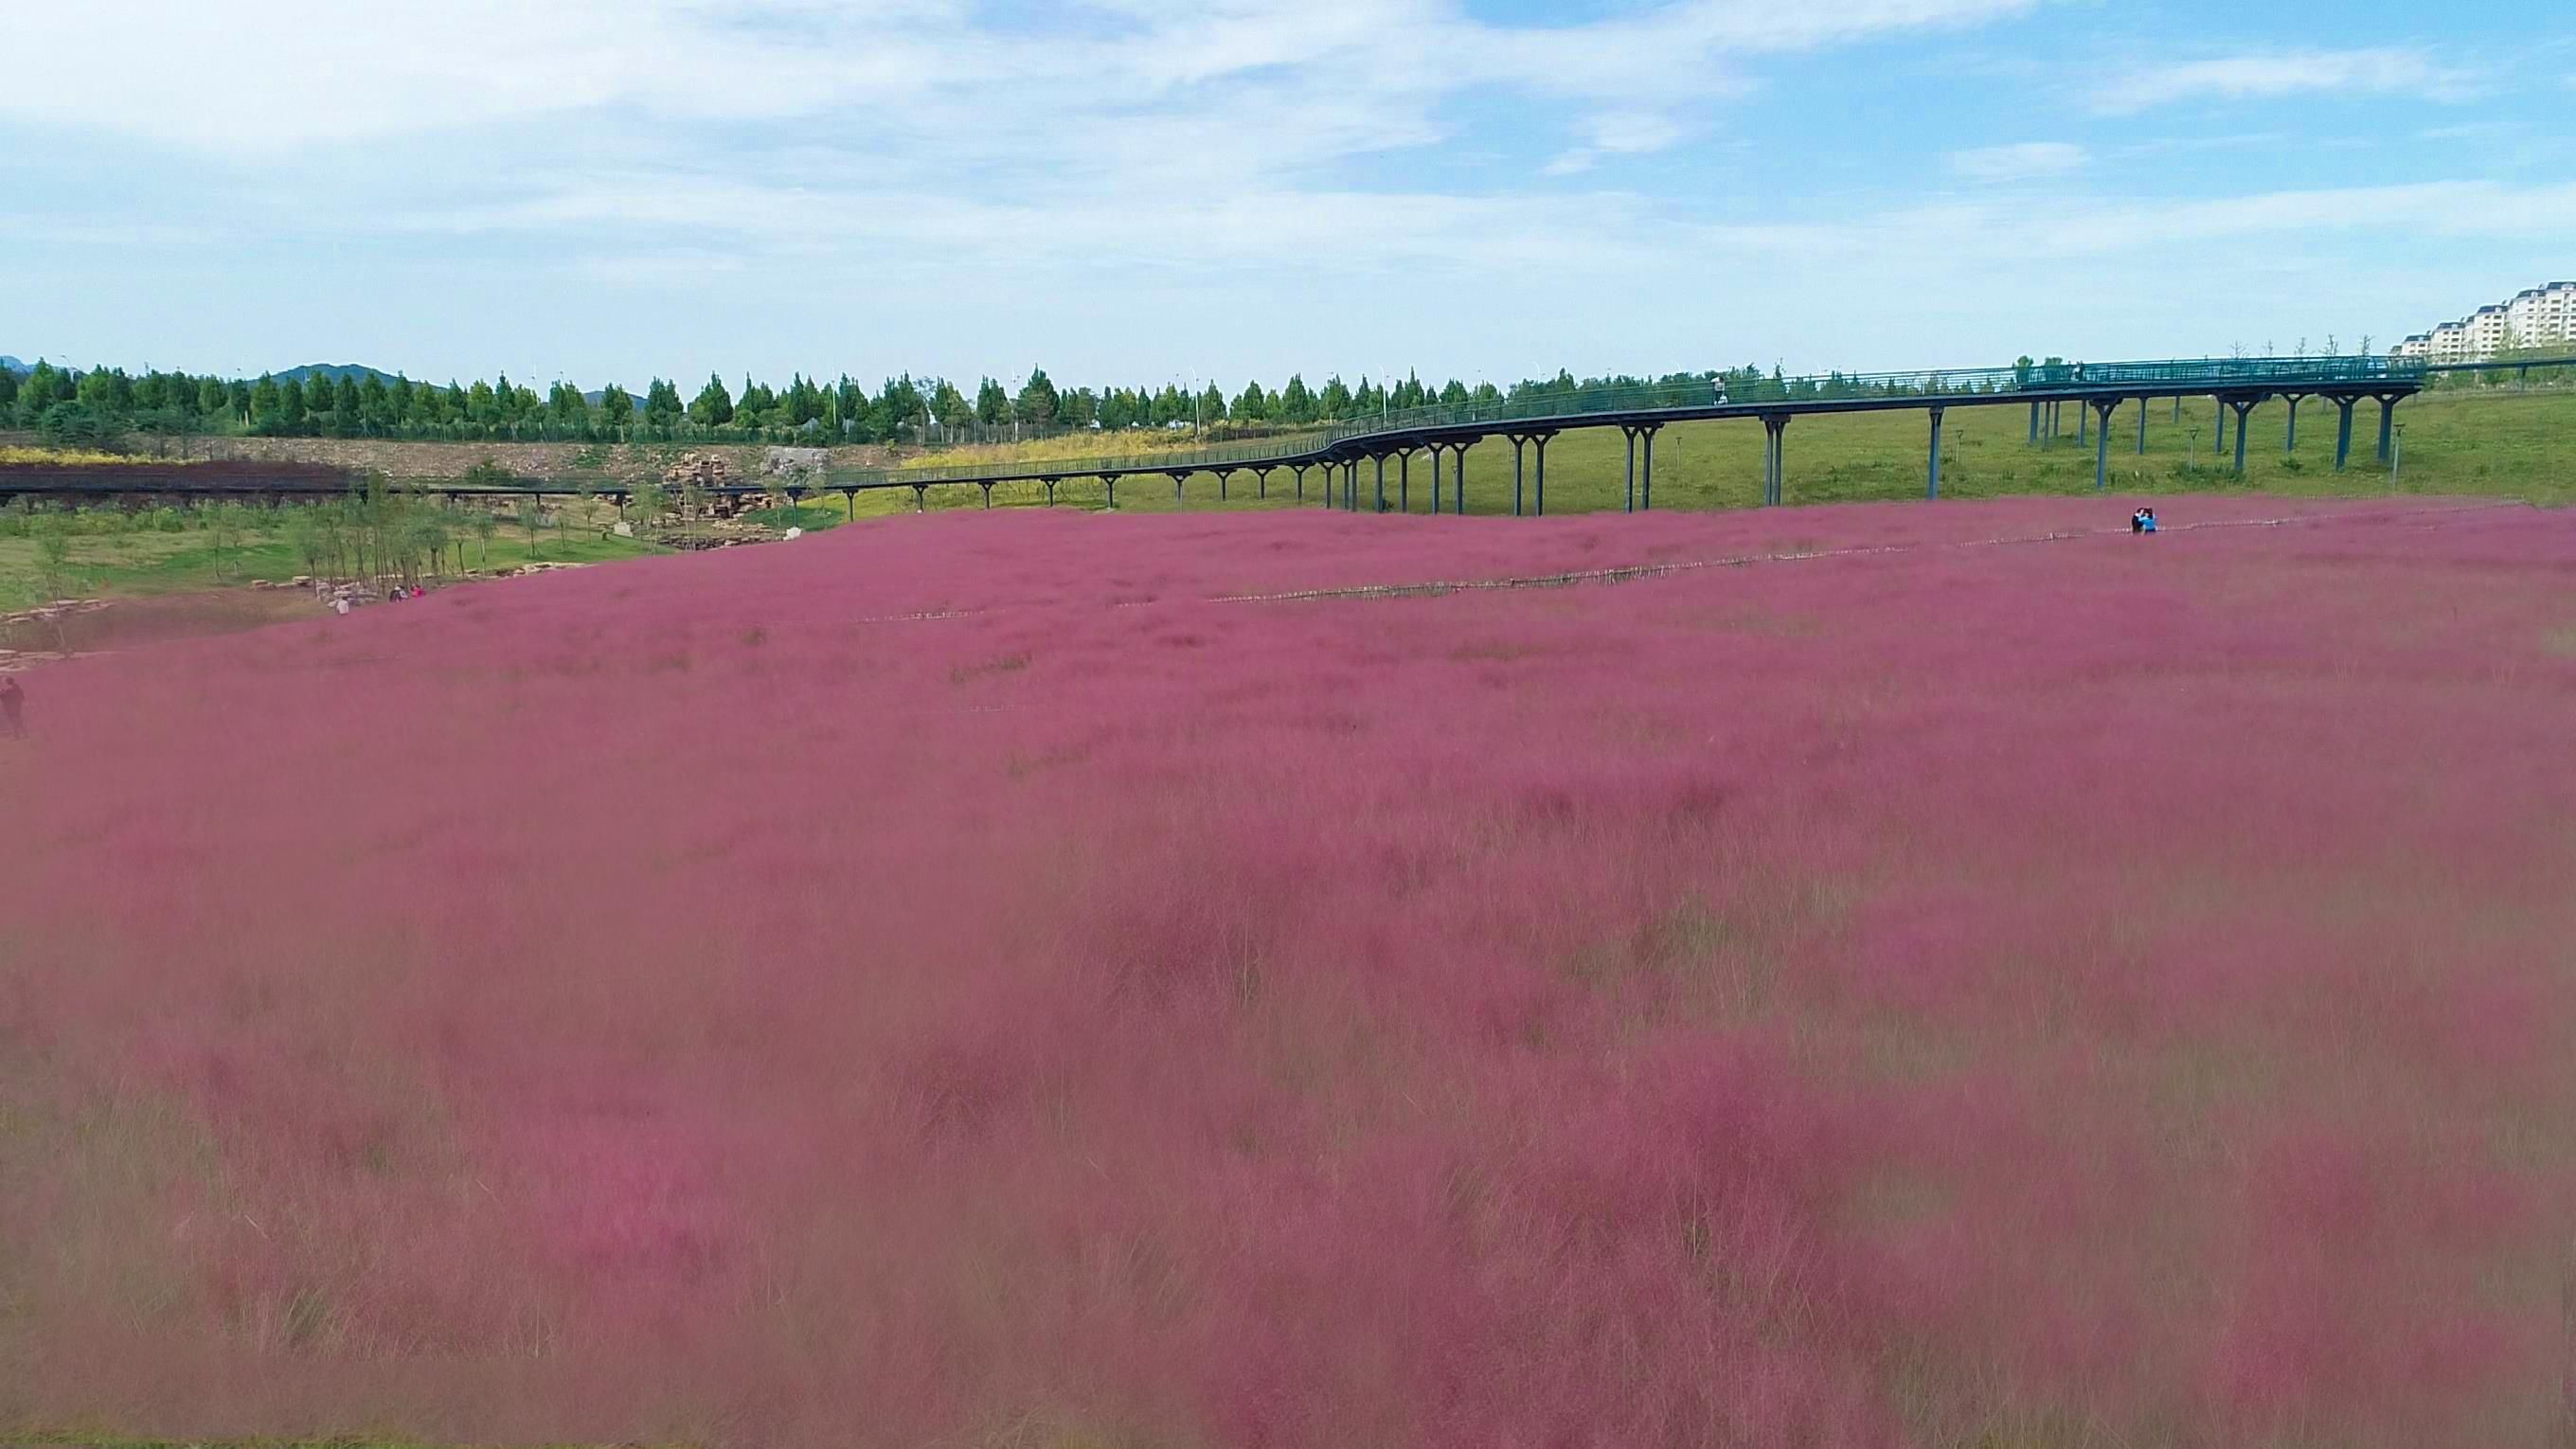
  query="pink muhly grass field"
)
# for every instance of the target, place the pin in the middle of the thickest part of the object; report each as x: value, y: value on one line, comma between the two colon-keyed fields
x: 954, y: 981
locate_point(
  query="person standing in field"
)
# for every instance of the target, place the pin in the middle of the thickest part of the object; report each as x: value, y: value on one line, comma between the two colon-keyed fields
x: 13, y: 707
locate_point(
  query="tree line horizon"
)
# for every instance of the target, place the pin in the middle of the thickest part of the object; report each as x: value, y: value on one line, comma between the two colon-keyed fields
x: 101, y: 404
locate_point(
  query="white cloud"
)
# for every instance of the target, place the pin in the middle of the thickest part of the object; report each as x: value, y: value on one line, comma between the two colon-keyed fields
x: 400, y: 66
x: 1944, y: 236
x: 2267, y: 75
x: 2027, y: 161
x: 1177, y: 133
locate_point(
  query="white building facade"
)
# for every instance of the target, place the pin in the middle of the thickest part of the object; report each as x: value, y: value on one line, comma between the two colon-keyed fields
x: 2536, y: 317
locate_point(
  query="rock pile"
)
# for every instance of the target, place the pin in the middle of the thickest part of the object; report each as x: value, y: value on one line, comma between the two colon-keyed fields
x: 803, y: 464
x: 702, y: 471
x: 705, y: 470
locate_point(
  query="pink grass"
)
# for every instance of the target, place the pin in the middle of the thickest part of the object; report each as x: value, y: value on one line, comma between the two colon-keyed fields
x: 2095, y: 991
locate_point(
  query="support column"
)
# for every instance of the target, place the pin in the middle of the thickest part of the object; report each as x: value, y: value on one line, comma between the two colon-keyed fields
x: 2220, y: 442
x: 1646, y: 483
x: 1300, y: 470
x: 1050, y: 487
x: 2034, y: 424
x: 2387, y: 417
x: 2104, y: 407
x: 2081, y: 418
x: 1630, y: 435
x: 1403, y: 484
x: 2142, y: 427
x: 2242, y: 410
x: 1222, y: 476
x: 2290, y: 442
x: 988, y: 496
x: 1540, y: 496
x: 1261, y: 484
x: 1932, y: 477
x: 1777, y: 424
x: 1458, y: 484
x: 920, y: 498
x: 2343, y: 431
x: 1112, y: 480
x: 1381, y: 482
x: 1178, y: 500
x: 849, y: 500
x: 2177, y: 417
x: 1435, y: 480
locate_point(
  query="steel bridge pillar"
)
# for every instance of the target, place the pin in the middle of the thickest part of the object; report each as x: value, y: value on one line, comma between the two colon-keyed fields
x: 988, y: 497
x: 1222, y: 475
x: 1381, y: 482
x: 1177, y: 500
x: 1050, y: 488
x: 2081, y: 412
x: 2103, y: 407
x: 1435, y: 480
x: 2219, y: 443
x: 2290, y: 441
x: 2034, y: 424
x: 2387, y: 417
x: 2142, y: 427
x: 920, y: 498
x: 849, y: 500
x: 1932, y: 477
x: 1520, y: 441
x: 1646, y: 483
x: 1775, y: 476
x: 2243, y: 410
x: 1458, y: 484
x: 2343, y: 430
x: 1300, y: 470
x: 1403, y: 484
x: 1261, y: 484
x: 2177, y: 417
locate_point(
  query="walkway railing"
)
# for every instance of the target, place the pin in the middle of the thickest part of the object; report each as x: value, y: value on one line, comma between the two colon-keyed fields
x: 1553, y: 407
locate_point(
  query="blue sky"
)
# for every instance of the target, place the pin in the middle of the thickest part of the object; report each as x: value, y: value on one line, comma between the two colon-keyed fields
x: 1125, y: 191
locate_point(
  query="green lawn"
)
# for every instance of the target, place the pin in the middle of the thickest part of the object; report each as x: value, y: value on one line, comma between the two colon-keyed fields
x: 140, y: 563
x: 2495, y: 443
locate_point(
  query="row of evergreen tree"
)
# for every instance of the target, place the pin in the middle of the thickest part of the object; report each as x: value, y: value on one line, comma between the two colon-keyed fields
x: 107, y: 403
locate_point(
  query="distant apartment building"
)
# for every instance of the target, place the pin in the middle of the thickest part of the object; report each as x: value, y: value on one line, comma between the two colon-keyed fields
x: 2533, y: 317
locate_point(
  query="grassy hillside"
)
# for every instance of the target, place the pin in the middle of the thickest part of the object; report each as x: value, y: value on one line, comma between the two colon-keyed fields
x: 2496, y: 443
x: 142, y: 554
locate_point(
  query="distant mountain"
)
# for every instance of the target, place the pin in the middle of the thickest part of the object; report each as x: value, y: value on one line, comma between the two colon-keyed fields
x: 11, y: 364
x: 334, y: 371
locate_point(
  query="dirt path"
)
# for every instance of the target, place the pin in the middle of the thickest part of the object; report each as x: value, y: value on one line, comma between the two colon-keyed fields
x: 127, y: 623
